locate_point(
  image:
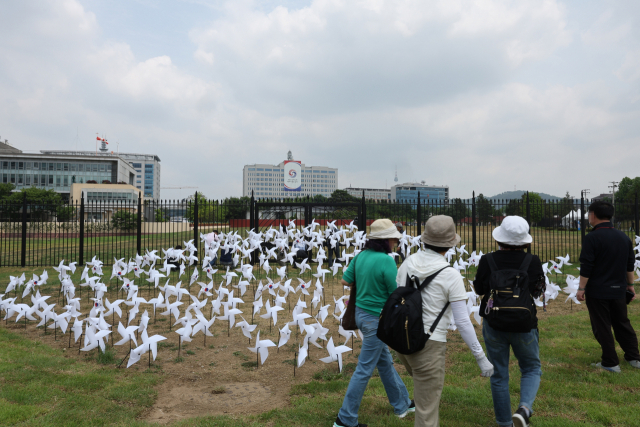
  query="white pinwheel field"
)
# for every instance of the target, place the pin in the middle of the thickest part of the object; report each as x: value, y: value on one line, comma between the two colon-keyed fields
x: 293, y: 304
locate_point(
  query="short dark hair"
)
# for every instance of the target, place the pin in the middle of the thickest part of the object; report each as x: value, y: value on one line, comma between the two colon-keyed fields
x: 438, y: 249
x: 513, y: 247
x: 602, y: 209
x: 378, y: 245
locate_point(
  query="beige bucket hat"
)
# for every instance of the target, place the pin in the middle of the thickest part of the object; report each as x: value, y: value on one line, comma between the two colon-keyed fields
x: 383, y: 229
x: 440, y: 231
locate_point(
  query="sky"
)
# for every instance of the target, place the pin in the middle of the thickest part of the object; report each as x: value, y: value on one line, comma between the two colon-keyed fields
x: 479, y: 95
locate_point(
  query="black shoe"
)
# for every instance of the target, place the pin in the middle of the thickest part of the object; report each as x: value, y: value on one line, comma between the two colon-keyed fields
x: 520, y: 418
x: 339, y: 423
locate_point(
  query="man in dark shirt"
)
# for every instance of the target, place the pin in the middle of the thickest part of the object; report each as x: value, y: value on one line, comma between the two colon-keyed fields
x: 606, y: 274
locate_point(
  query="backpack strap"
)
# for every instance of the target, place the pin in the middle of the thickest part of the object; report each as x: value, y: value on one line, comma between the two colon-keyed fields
x: 435, y: 322
x: 411, y: 281
x: 525, y: 263
x: 428, y: 280
x: 425, y: 282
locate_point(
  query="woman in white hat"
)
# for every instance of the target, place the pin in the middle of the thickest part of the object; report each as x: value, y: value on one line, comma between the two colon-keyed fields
x: 519, y: 333
x: 427, y: 365
x: 374, y: 272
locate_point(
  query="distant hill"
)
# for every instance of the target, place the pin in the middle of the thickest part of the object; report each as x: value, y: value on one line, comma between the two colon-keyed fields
x: 507, y: 195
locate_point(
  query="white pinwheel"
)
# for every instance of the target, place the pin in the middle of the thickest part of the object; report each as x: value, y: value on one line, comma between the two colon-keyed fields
x: 262, y: 348
x: 271, y: 312
x: 335, y: 353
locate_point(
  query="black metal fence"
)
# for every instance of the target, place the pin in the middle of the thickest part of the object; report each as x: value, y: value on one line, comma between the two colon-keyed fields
x: 37, y: 234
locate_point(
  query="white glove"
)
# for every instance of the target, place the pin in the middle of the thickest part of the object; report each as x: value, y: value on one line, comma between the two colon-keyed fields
x: 485, y: 366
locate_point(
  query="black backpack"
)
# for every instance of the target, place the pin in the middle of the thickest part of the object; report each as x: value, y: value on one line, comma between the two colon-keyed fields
x: 509, y: 306
x: 401, y: 326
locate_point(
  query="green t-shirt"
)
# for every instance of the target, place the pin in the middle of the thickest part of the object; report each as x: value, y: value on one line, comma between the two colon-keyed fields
x: 375, y: 279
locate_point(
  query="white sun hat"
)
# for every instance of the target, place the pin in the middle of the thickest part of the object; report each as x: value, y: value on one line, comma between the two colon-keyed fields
x: 514, y: 230
x: 383, y: 229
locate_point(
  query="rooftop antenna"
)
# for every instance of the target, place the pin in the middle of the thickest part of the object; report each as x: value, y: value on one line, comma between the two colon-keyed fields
x: 289, y: 155
x: 396, y: 177
x: 103, y: 144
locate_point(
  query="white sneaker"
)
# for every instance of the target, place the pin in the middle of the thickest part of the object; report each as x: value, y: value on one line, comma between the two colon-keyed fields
x: 615, y: 369
x: 412, y: 408
x: 634, y: 363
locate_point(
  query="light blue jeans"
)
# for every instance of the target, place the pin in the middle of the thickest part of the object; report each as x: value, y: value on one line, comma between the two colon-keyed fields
x: 373, y: 353
x: 525, y: 348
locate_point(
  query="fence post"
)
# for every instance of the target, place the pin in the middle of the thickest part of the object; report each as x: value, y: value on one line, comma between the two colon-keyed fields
x: 196, y: 219
x: 81, y: 243
x: 419, y: 215
x: 635, y: 229
x: 582, y: 224
x: 23, y: 253
x: 251, y: 218
x: 529, y: 218
x: 473, y: 221
x: 362, y: 223
x: 139, y: 225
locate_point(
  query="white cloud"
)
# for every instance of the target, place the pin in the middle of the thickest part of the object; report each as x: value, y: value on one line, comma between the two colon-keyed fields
x: 434, y: 87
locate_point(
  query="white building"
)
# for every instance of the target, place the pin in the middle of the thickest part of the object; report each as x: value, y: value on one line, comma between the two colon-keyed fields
x: 59, y: 170
x: 268, y: 181
x: 376, y: 194
x: 146, y: 166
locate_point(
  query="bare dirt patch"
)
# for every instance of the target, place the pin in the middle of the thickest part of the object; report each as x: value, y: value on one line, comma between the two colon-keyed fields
x: 184, y: 400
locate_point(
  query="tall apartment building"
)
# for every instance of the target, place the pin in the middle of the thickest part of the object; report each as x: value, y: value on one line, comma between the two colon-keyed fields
x: 289, y: 178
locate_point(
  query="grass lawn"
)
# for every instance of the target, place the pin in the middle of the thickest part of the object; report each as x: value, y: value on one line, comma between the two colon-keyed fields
x: 39, y: 386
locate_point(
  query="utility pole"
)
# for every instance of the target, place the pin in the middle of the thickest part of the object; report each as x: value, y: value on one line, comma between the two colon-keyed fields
x: 613, y: 186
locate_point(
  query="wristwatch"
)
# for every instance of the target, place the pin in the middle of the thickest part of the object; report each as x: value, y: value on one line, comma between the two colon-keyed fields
x: 580, y: 289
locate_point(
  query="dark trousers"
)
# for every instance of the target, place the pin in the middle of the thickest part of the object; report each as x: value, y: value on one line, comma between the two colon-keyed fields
x: 608, y: 313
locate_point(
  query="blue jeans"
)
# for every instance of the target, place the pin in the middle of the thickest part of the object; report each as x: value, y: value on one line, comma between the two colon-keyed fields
x: 373, y: 353
x: 525, y: 348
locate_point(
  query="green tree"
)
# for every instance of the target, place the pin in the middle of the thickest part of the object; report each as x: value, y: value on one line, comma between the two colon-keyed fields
x: 342, y: 196
x: 209, y: 211
x: 41, y: 202
x: 485, y: 212
x: 536, y: 207
x: 124, y: 220
x: 625, y: 198
x: 566, y: 205
x: 65, y: 213
x: 457, y: 210
x: 627, y: 190
x: 5, y: 190
x: 236, y: 208
x: 161, y: 215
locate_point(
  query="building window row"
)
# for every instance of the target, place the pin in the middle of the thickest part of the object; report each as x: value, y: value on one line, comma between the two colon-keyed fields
x: 56, y: 166
x: 46, y: 180
x: 108, y: 196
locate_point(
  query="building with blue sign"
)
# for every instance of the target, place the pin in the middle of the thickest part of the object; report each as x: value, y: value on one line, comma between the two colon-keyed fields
x: 268, y: 181
x: 431, y: 194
